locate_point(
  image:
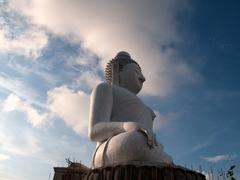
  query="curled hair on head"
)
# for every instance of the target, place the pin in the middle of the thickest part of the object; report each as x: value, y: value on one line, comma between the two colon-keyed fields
x: 121, y: 60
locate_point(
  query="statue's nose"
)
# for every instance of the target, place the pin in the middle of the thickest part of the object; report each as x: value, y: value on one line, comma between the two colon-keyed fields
x: 142, y: 78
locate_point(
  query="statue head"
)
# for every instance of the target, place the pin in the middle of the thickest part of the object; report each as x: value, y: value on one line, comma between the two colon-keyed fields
x: 125, y: 72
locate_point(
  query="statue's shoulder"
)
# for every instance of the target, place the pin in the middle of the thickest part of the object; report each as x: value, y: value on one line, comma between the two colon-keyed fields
x: 103, y: 85
x: 102, y: 88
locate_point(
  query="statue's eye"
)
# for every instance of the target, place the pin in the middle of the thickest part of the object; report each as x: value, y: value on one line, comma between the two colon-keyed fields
x: 136, y: 71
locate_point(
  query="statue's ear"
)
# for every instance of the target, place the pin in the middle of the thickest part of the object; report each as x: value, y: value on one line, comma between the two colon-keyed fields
x: 115, y: 73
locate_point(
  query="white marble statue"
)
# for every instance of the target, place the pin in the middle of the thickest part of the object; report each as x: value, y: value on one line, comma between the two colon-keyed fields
x: 120, y: 123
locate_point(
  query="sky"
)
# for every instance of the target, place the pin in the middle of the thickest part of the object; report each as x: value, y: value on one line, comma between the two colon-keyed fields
x: 53, y: 53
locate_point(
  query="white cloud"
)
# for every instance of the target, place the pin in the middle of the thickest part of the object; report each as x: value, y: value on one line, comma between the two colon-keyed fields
x: 35, y: 118
x: 161, y: 121
x: 71, y: 106
x: 11, y: 103
x: 4, y: 157
x: 217, y: 158
x: 29, y: 43
x: 107, y: 27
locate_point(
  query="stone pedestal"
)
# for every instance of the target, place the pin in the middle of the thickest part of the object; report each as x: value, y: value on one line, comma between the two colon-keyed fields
x: 128, y: 172
x: 133, y: 172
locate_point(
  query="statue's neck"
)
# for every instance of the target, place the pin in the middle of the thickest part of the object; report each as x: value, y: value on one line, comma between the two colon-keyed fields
x: 126, y: 88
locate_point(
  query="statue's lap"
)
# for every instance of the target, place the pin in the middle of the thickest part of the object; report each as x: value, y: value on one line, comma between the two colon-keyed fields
x: 128, y: 147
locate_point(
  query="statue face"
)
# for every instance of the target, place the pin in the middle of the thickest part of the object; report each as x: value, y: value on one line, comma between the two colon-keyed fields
x: 131, y: 78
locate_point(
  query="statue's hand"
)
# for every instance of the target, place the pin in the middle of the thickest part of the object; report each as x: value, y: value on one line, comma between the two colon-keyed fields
x: 150, y: 137
x: 133, y: 126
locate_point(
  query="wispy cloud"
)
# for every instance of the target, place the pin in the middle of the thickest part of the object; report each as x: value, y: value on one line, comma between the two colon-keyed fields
x: 19, y: 37
x: 29, y: 44
x: 14, y: 103
x: 16, y: 86
x: 30, y: 69
x: 201, y: 146
x: 39, y: 146
x: 222, y: 157
x: 210, y: 140
x: 28, y: 145
x: 66, y: 146
x: 161, y: 120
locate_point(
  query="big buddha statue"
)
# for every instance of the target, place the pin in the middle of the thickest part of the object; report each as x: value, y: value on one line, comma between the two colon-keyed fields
x: 120, y: 123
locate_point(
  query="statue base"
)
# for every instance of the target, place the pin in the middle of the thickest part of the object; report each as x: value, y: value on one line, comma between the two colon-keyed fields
x: 127, y: 172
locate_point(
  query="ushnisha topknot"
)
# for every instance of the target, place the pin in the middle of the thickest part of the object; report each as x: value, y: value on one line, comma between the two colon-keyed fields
x: 121, y: 59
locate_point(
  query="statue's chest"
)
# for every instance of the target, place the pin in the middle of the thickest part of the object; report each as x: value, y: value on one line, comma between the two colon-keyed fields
x: 128, y: 107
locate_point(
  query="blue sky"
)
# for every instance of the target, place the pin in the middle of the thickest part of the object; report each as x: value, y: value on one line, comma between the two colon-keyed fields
x: 52, y: 53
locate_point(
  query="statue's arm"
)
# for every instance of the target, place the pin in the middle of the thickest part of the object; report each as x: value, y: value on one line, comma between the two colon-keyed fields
x: 100, y: 127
